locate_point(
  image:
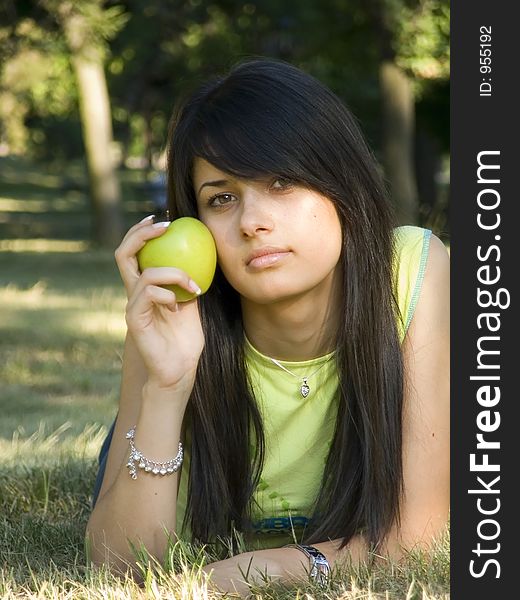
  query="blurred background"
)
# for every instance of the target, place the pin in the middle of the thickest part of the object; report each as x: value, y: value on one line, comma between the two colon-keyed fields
x: 86, y: 92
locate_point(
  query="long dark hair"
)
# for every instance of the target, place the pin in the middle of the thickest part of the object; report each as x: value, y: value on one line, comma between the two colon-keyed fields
x: 267, y: 117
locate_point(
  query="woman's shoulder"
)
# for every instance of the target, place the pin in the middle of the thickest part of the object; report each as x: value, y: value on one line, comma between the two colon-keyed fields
x: 414, y: 248
x: 407, y: 237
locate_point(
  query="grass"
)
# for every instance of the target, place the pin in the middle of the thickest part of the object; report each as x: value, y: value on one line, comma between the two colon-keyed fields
x: 62, y: 328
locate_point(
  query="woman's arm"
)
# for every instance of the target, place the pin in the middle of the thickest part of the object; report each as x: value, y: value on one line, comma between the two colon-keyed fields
x: 133, y: 378
x: 162, y: 350
x: 281, y: 565
x: 426, y: 418
x: 426, y: 433
x: 142, y: 510
x: 133, y: 372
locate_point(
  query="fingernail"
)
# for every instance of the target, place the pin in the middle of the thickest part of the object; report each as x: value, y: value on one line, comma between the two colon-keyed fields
x: 148, y: 218
x: 161, y: 224
x: 194, y: 287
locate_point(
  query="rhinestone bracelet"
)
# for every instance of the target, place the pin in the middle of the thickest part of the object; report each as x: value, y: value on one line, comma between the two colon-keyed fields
x: 137, y: 459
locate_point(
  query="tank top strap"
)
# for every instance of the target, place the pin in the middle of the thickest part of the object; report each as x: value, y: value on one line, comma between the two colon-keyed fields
x: 410, y: 256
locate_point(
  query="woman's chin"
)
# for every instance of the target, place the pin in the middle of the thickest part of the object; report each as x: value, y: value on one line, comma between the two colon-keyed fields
x: 271, y: 295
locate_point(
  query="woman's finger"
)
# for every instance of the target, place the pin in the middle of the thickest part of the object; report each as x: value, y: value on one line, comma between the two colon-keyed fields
x: 138, y: 235
x: 142, y: 223
x: 166, y: 276
x: 144, y: 301
x: 134, y: 240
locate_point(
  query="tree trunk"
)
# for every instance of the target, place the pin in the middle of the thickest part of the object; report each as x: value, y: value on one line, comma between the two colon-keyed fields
x: 427, y: 168
x: 85, y: 42
x: 97, y: 135
x: 398, y: 110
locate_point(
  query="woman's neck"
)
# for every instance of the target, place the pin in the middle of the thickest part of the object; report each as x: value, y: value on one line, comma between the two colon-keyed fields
x: 294, y: 329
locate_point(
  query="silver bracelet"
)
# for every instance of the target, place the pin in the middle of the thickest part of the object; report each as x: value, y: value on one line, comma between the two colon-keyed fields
x: 319, y: 565
x: 138, y: 460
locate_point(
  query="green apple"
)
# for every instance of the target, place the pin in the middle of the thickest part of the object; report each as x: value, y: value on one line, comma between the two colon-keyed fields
x: 188, y: 245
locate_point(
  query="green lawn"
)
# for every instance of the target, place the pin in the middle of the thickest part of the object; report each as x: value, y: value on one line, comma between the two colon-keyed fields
x: 62, y: 328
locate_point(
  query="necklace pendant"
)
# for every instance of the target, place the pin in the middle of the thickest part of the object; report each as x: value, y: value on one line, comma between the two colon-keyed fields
x: 305, y: 389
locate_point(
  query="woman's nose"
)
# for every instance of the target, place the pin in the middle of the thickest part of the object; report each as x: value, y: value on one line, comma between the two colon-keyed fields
x: 255, y: 216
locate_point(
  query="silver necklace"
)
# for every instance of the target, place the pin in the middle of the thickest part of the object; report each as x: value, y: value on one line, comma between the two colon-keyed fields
x: 304, y: 387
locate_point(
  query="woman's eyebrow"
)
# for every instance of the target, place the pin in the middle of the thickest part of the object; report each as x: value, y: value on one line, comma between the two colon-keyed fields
x: 216, y: 183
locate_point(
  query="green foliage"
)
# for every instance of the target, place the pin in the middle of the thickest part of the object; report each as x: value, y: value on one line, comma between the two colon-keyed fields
x: 422, y: 39
x: 154, y: 50
x: 36, y: 79
x: 87, y: 24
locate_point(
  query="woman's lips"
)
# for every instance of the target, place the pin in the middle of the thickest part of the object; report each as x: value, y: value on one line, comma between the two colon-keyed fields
x: 267, y: 258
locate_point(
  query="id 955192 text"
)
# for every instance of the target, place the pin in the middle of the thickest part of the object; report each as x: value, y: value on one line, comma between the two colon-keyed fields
x: 485, y: 61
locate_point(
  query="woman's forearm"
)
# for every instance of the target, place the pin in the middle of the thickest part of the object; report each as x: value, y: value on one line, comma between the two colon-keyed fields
x: 141, y: 510
x: 289, y: 564
x: 133, y: 378
x: 282, y: 565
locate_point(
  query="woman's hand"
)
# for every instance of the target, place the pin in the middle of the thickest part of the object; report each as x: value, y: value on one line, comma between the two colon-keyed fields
x: 168, y: 335
x: 236, y: 575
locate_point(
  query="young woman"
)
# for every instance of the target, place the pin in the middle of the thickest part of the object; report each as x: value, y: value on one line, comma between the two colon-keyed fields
x: 306, y: 394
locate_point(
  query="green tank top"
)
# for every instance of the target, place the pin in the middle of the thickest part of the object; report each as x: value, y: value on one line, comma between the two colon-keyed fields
x: 299, y: 426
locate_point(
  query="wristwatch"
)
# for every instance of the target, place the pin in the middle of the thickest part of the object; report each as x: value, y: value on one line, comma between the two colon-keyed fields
x: 319, y: 565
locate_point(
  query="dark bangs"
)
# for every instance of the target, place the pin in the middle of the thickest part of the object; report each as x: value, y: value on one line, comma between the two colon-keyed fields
x: 242, y: 137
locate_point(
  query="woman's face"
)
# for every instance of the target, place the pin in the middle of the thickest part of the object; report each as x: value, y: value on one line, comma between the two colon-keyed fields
x: 275, y: 240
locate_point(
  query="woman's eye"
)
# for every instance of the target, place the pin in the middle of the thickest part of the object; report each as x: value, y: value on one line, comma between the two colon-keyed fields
x: 281, y: 184
x: 220, y: 200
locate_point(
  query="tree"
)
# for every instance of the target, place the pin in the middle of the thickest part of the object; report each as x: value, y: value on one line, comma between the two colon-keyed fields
x: 85, y: 26
x: 413, y: 41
